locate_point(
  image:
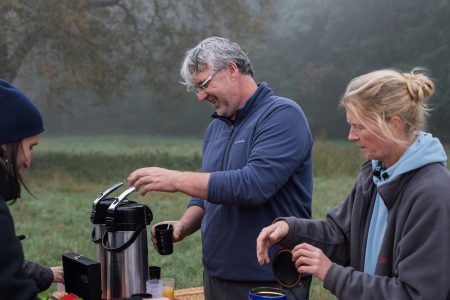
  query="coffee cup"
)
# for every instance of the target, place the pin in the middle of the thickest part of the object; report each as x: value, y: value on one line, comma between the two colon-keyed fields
x: 284, y: 269
x: 164, y: 241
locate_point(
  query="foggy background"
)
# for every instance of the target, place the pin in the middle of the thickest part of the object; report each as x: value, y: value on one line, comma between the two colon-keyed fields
x: 112, y: 67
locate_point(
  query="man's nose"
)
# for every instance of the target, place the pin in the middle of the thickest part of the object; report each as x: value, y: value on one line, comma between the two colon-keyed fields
x: 201, y: 96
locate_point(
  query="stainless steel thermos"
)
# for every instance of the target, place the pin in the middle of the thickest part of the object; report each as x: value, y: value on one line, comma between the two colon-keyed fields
x: 98, y: 218
x: 125, y: 245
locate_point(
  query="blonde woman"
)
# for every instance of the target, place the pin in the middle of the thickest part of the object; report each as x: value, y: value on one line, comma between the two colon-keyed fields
x: 389, y: 238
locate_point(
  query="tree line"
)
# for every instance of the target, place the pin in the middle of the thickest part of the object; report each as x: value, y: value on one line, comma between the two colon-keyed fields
x: 112, y: 65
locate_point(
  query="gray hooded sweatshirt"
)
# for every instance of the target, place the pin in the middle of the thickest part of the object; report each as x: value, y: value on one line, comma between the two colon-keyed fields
x: 413, y: 261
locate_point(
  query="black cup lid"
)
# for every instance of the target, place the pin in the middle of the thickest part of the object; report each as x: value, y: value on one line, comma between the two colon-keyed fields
x: 140, y: 296
x: 154, y: 272
x: 284, y: 269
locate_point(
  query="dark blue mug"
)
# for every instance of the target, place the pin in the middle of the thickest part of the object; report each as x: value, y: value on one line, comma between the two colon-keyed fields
x: 266, y: 293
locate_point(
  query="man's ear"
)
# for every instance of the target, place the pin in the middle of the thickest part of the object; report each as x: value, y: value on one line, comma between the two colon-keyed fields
x: 232, y: 69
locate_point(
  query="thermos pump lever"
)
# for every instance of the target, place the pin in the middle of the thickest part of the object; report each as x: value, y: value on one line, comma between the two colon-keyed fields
x: 119, y: 199
x: 108, y: 191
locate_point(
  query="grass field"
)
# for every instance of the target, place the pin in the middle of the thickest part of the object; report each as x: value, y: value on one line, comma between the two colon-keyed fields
x: 68, y: 173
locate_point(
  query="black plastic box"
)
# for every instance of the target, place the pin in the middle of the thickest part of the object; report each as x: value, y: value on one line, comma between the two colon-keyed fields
x: 82, y: 276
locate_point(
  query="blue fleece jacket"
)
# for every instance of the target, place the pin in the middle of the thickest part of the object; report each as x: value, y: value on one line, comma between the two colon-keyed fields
x: 261, y: 169
x: 425, y: 150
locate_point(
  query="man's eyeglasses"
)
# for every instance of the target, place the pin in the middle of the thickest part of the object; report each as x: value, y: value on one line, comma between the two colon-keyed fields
x: 202, y: 86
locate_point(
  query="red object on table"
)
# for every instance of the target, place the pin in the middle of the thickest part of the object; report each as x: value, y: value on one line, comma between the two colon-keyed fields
x: 70, y: 297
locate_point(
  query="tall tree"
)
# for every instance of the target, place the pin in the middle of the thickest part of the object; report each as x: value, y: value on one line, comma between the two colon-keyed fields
x: 325, y: 44
x: 94, y: 47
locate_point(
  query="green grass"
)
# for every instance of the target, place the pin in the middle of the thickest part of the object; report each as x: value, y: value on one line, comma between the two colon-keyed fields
x: 121, y: 144
x: 68, y: 173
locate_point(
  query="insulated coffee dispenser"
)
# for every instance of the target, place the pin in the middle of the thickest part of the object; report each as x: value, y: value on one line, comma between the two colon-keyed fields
x: 125, y: 242
x: 98, y: 218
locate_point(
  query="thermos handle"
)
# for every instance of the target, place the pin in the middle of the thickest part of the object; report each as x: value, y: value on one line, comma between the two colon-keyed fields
x: 93, y: 238
x: 119, y: 199
x: 148, y: 215
x: 126, y: 244
x: 108, y: 191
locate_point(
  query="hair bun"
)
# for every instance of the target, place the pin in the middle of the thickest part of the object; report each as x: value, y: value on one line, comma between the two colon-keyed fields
x: 420, y: 86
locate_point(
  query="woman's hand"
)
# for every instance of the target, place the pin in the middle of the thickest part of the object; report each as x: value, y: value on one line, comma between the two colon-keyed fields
x: 58, y: 274
x: 269, y: 235
x: 309, y: 259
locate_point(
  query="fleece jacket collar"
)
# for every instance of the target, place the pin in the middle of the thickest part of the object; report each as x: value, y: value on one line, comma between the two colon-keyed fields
x: 261, y: 92
x: 425, y: 150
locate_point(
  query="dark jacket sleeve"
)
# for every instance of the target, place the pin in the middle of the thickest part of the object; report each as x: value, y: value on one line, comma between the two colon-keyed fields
x: 42, y: 275
x: 13, y: 284
x: 332, y: 235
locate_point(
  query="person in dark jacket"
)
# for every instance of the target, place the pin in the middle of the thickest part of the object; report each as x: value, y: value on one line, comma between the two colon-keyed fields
x: 20, y: 126
x: 256, y: 166
x: 43, y: 276
x: 389, y: 239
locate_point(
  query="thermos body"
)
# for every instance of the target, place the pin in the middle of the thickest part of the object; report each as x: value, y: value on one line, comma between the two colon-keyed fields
x: 127, y: 270
x: 125, y: 243
x: 120, y: 237
x: 100, y: 254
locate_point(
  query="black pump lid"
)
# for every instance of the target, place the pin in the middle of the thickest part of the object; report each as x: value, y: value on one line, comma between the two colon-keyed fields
x: 128, y: 215
x: 99, y: 212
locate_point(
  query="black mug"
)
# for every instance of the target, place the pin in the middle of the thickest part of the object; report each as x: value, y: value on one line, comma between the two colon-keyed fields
x: 164, y: 240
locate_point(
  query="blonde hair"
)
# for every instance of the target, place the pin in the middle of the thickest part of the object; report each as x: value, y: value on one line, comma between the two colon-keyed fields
x: 376, y: 97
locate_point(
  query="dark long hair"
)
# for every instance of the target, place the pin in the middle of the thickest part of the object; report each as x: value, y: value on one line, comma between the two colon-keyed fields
x: 8, y: 161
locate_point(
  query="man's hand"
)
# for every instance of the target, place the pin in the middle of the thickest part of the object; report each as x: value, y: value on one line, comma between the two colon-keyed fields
x: 179, y: 231
x: 154, y: 179
x: 194, y: 184
x: 269, y: 236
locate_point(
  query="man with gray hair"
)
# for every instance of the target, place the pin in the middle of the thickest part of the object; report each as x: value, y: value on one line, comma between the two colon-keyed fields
x: 256, y: 166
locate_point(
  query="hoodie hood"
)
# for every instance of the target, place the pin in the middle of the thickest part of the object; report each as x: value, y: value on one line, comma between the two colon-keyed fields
x: 425, y: 150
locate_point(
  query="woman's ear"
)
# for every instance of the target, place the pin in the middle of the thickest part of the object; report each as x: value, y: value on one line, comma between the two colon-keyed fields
x: 398, y: 124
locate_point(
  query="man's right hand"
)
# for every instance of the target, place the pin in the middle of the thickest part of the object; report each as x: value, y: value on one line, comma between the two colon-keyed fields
x: 178, y: 231
x: 187, y: 225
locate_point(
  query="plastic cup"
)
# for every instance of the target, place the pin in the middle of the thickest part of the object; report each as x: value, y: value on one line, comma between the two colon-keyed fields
x: 169, y: 288
x: 60, y: 287
x: 154, y: 287
x: 164, y: 241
